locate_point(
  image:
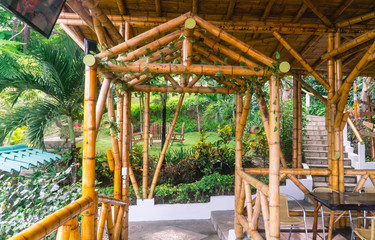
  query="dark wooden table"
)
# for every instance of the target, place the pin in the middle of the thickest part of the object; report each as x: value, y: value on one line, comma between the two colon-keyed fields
x: 340, y: 202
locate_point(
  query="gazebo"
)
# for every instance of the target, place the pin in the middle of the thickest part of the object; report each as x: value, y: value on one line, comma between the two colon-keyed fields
x: 241, y: 45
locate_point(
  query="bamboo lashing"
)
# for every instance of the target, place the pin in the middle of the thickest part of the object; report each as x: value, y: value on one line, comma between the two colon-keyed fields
x: 102, y: 219
x: 165, y: 146
x: 299, y: 58
x: 144, y: 36
x: 355, y: 20
x: 63, y: 232
x: 102, y: 97
x: 50, y: 223
x: 146, y: 131
x: 73, y: 35
x: 180, y: 68
x: 344, y: 47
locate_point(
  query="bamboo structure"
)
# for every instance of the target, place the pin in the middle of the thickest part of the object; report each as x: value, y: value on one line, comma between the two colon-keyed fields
x: 145, y: 144
x: 299, y: 125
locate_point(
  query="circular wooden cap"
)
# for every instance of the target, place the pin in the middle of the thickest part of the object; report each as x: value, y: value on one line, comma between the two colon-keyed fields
x: 89, y: 60
x: 284, y: 67
x: 190, y: 23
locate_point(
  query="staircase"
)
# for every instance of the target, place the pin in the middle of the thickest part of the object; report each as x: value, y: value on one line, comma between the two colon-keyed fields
x: 315, y: 151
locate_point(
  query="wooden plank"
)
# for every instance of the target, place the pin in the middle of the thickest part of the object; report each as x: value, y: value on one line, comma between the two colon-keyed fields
x: 366, y: 114
x: 368, y: 134
x: 367, y: 103
x: 369, y: 125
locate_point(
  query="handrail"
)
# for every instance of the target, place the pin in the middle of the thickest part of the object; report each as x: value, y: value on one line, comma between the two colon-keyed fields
x: 357, y: 134
x: 253, y: 181
x: 110, y: 200
x: 50, y: 223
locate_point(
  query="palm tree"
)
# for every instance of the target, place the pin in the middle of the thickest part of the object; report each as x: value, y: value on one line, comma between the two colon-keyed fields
x: 54, y: 69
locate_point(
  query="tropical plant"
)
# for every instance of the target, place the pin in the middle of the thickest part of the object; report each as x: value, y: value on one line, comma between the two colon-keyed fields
x: 56, y: 71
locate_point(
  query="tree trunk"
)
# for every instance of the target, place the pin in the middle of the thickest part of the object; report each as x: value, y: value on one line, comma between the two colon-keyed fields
x: 198, y: 116
x: 73, y: 148
x: 366, y: 90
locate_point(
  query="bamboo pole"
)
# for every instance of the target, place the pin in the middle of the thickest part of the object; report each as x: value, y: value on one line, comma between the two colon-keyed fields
x: 63, y: 232
x: 81, y: 12
x: 150, y: 88
x: 145, y: 144
x: 215, y: 46
x: 118, y: 224
x: 299, y: 126
x: 88, y: 163
x: 49, y: 224
x: 249, y: 204
x: 133, y: 42
x: 274, y: 158
x: 371, y: 139
x: 73, y: 35
x: 343, y: 92
x: 208, y: 55
x: 119, y: 120
x: 320, y: 15
x: 256, y: 213
x: 355, y: 20
x: 299, y: 58
x: 102, y: 97
x: 308, y: 87
x: 360, y: 183
x: 102, y: 219
x: 165, y: 146
x: 260, y: 186
x: 111, y: 200
x: 96, y: 215
x: 172, y: 81
x: 187, y: 47
x: 266, y: 214
x: 244, y: 115
x: 111, y: 162
x: 295, y: 123
x: 99, y: 30
x: 344, y: 47
x: 194, y: 81
x: 371, y: 57
x: 180, y: 68
x: 254, y: 234
x: 126, y: 165
x: 238, y: 166
x: 74, y: 231
x: 245, y: 48
x: 110, y: 224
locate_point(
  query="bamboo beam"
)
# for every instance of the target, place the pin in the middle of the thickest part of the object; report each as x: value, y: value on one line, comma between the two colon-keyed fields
x: 50, y: 223
x: 101, y: 102
x: 102, y: 219
x: 299, y: 58
x: 81, y: 12
x: 195, y: 6
x: 172, y: 81
x: 232, y: 4
x: 88, y: 162
x: 194, y: 81
x: 99, y: 30
x: 341, y: 9
x: 266, y: 12
x: 293, y: 171
x: 215, y: 46
x: 158, y: 8
x: 73, y: 35
x: 344, y: 47
x: 320, y: 15
x: 310, y: 42
x: 343, y: 92
x: 238, y: 168
x: 149, y: 88
x: 110, y: 200
x: 309, y: 88
x: 208, y: 55
x: 165, y: 146
x: 261, y: 41
x: 300, y: 13
x: 133, y: 42
x: 217, y: 32
x: 180, y: 68
x: 121, y: 6
x: 355, y: 20
x: 274, y: 159
x: 146, y: 131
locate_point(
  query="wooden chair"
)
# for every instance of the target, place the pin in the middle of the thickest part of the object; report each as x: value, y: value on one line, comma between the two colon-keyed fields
x: 179, y: 136
x: 156, y: 132
x: 286, y: 219
x: 136, y: 137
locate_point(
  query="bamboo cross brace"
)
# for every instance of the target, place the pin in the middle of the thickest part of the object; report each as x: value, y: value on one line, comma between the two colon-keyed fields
x: 266, y: 214
x: 101, y: 102
x: 110, y: 225
x: 99, y: 30
x: 194, y: 81
x: 172, y: 81
x: 117, y: 231
x: 345, y: 47
x: 215, y: 46
x: 102, y: 219
x: 133, y: 42
x: 82, y: 12
x: 227, y: 83
x: 73, y: 35
x: 74, y: 231
x: 249, y: 205
x: 343, y: 92
x: 245, y: 48
x: 146, y: 131
x: 254, y: 234
x: 63, y: 232
x: 207, y: 54
x: 299, y: 58
x: 165, y: 146
x: 256, y: 213
x: 320, y: 15
x: 355, y: 20
x: 260, y: 186
x: 180, y: 68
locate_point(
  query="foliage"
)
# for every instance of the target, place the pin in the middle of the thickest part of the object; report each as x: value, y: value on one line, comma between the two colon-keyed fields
x: 28, y: 199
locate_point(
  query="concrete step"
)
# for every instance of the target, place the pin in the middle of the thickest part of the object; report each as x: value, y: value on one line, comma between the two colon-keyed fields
x: 314, y: 127
x: 316, y: 123
x: 316, y: 132
x: 313, y: 117
x: 315, y: 147
x: 349, y: 187
x: 319, y: 153
x: 348, y: 179
x: 323, y: 161
x: 314, y: 137
x: 318, y: 166
x: 314, y: 142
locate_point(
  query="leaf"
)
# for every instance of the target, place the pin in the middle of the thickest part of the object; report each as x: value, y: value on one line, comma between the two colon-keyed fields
x: 218, y: 74
x: 277, y: 55
x: 256, y: 69
x: 275, y: 129
x: 145, y: 69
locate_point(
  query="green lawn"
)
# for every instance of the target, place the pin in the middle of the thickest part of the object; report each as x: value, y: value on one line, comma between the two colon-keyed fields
x: 104, y: 142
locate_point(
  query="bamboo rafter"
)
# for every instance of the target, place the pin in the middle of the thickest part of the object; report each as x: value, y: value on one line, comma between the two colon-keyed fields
x: 73, y: 35
x: 320, y: 15
x: 81, y: 12
x: 355, y: 20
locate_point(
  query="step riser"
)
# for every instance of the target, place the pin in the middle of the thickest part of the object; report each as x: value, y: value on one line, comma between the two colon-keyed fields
x: 315, y: 137
x: 351, y: 179
x: 312, y: 142
x: 316, y: 132
x: 347, y: 163
x: 316, y: 128
x: 314, y: 148
x: 320, y: 154
x: 316, y: 123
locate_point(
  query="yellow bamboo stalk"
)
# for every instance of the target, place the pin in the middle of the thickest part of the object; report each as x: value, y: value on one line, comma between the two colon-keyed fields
x: 245, y: 113
x: 238, y: 166
x: 299, y: 126
x: 371, y: 57
x: 82, y: 13
x: 208, y: 54
x: 99, y: 30
x: 180, y: 68
x: 102, y: 97
x: 245, y: 48
x: 165, y: 146
x: 149, y: 88
x: 299, y: 58
x: 49, y: 224
x: 187, y: 47
x: 172, y: 81
x: 96, y: 214
x: 256, y: 213
x: 74, y: 232
x: 102, y: 219
x: 194, y: 81
x: 260, y: 186
x: 110, y: 200
x: 63, y: 232
x: 110, y: 224
x: 274, y: 159
x: 254, y: 234
x: 146, y: 131
x: 119, y: 120
x: 117, y: 232
x: 88, y: 163
x: 295, y: 123
x: 111, y: 162
x: 144, y: 36
x: 249, y: 204
x: 266, y: 214
x: 309, y: 88
x: 360, y: 183
x: 73, y: 35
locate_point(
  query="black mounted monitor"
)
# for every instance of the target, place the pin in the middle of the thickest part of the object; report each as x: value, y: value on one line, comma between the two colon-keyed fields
x: 41, y: 15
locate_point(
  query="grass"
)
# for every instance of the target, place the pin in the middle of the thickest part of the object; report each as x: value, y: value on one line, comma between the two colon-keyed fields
x: 104, y: 142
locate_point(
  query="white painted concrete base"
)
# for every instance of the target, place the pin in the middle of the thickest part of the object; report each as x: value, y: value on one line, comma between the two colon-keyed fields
x: 146, y: 210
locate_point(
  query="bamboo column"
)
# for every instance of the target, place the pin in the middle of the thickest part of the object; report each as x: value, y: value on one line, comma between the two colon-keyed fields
x: 88, y: 162
x: 126, y: 164
x: 63, y: 232
x: 102, y: 219
x: 74, y: 231
x: 355, y: 104
x: 165, y: 146
x: 295, y: 123
x: 119, y: 119
x: 299, y: 125
x: 371, y: 139
x: 238, y: 163
x: 146, y: 121
x: 101, y: 102
x: 274, y: 159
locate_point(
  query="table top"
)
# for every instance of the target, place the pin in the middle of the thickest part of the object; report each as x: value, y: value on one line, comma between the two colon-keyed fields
x: 346, y: 201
